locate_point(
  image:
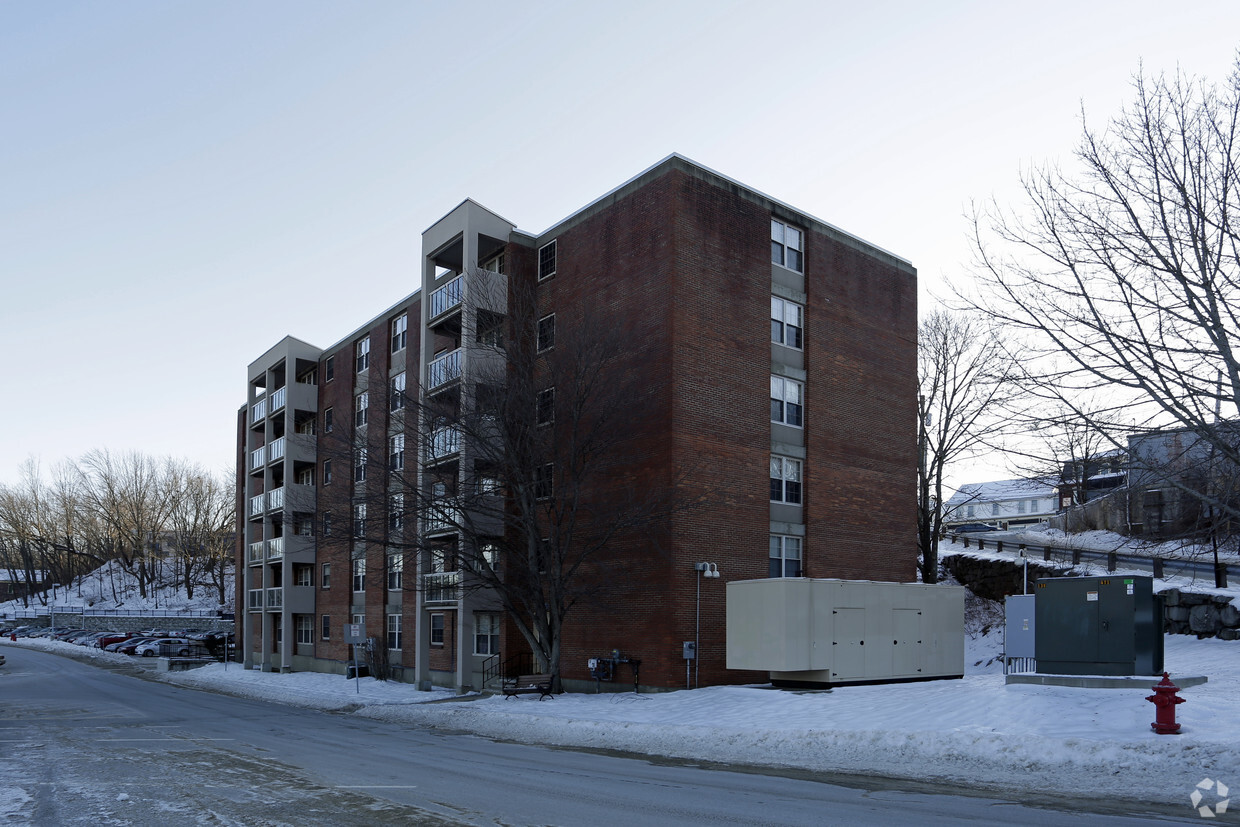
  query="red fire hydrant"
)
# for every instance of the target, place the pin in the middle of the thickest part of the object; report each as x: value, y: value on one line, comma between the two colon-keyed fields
x: 1165, y: 699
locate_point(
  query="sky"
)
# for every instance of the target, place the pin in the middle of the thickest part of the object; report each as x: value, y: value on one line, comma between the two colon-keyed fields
x: 184, y: 184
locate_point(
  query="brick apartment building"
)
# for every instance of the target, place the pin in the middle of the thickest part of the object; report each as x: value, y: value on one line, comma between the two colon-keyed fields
x: 709, y: 292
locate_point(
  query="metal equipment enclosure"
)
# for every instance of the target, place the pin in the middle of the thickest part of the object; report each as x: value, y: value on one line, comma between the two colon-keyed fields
x: 1098, y: 626
x: 805, y: 631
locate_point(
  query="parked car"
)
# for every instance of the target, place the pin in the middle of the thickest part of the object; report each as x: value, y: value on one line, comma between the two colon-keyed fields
x: 967, y: 527
x: 126, y: 647
x: 164, y: 646
x: 113, y: 637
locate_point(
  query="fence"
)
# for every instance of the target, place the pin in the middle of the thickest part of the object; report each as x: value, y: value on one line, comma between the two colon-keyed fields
x: 45, y: 611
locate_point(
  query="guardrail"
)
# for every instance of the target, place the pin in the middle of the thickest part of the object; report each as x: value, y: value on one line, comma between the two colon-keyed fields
x: 89, y: 612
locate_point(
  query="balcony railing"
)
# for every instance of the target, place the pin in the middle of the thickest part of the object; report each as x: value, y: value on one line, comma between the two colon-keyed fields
x: 441, y: 587
x: 275, y: 450
x: 277, y: 399
x: 257, y: 457
x: 275, y: 548
x: 445, y: 441
x: 257, y: 504
x: 258, y: 411
x: 444, y: 369
x: 255, y: 601
x: 447, y: 297
x: 275, y: 599
x: 275, y: 499
x: 447, y: 519
x: 256, y: 552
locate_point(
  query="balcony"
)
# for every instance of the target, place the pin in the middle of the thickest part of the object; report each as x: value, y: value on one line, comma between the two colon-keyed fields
x: 447, y: 297
x: 256, y: 552
x: 445, y: 519
x: 441, y: 587
x: 275, y: 599
x: 257, y: 506
x: 277, y: 399
x: 257, y: 457
x: 444, y: 442
x: 258, y: 411
x: 275, y: 450
x: 275, y: 548
x: 444, y: 369
x: 275, y: 499
x: 255, y: 602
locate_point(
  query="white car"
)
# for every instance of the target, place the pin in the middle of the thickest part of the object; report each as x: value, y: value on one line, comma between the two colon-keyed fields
x: 165, y: 646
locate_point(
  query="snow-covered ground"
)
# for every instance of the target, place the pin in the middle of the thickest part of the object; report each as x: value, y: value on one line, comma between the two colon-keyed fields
x: 976, y: 731
x: 110, y: 587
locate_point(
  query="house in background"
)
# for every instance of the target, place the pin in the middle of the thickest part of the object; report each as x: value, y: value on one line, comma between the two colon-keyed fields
x: 1166, y: 468
x: 1002, y: 504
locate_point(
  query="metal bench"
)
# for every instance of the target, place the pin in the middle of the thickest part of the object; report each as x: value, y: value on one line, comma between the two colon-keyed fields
x: 528, y: 685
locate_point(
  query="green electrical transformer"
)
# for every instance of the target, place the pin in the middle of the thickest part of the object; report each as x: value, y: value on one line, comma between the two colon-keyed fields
x: 1109, y: 625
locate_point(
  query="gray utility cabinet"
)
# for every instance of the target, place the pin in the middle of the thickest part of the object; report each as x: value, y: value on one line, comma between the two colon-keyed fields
x: 1098, y: 626
x: 819, y: 631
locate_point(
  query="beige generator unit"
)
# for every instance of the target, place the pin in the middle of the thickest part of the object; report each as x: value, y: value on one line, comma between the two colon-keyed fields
x: 830, y: 632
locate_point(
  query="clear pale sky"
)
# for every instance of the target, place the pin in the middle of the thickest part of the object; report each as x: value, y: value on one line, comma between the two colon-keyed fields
x: 183, y: 184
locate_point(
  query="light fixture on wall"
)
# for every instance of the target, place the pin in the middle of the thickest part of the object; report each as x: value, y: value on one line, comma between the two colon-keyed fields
x: 707, y: 570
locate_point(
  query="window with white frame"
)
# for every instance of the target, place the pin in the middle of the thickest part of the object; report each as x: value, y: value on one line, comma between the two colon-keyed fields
x: 785, y: 557
x: 544, y: 485
x: 546, y: 332
x: 327, y: 524
x: 303, y: 575
x: 495, y: 264
x: 359, y: 520
x: 329, y: 369
x: 327, y: 472
x: 488, y: 483
x: 1020, y: 506
x: 396, y: 512
x: 546, y: 406
x: 305, y: 476
x: 785, y: 480
x: 359, y: 465
x: 395, y: 572
x: 361, y: 407
x: 327, y: 421
x: 359, y: 574
x: 326, y: 631
x: 994, y: 509
x: 786, y: 401
x: 787, y: 246
x: 400, y: 332
x: 969, y: 511
x: 361, y: 352
x: 325, y: 576
x: 305, y: 629
x: 486, y: 633
x: 397, y: 397
x: 546, y: 261
x: 786, y: 323
x: 437, y: 629
x: 396, y: 452
x: 393, y: 631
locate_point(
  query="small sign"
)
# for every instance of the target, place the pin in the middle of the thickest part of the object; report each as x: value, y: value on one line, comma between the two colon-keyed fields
x: 1129, y: 588
x: 1091, y: 597
x: 354, y: 633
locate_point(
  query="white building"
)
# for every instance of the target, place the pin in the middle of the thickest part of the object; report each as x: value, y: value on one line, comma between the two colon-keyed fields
x: 1001, y: 504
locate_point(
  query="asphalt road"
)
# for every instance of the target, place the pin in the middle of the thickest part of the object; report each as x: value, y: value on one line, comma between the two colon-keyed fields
x: 85, y: 744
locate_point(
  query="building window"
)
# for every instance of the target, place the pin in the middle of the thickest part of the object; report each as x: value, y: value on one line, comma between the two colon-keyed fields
x: 546, y: 332
x: 495, y: 264
x: 1020, y: 506
x: 395, y: 572
x: 327, y: 421
x: 303, y: 525
x: 325, y: 578
x: 486, y: 633
x: 786, y: 323
x: 396, y: 452
x: 488, y: 483
x: 359, y: 465
x: 303, y: 575
x: 361, y: 404
x: 785, y: 556
x: 544, y: 485
x: 327, y: 472
x: 787, y: 246
x: 305, y: 476
x: 361, y: 351
x: 400, y: 332
x: 968, y: 511
x: 786, y: 396
x: 393, y: 631
x: 437, y: 629
x: 329, y: 369
x: 359, y: 520
x: 305, y: 629
x: 785, y: 480
x: 397, y: 512
x: 359, y: 574
x: 327, y: 525
x: 546, y: 261
x: 546, y: 406
x: 1033, y: 506
x: 397, y: 397
x: 327, y: 627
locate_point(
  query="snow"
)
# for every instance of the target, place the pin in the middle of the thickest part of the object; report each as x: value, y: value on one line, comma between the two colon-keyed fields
x: 977, y: 731
x: 110, y: 587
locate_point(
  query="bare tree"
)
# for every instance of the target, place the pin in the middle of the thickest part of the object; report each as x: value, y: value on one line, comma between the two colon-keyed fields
x: 1123, y: 276
x: 963, y: 388
x: 201, y: 529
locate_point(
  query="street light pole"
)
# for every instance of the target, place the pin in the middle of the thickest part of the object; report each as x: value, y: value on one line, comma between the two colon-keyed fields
x: 711, y: 570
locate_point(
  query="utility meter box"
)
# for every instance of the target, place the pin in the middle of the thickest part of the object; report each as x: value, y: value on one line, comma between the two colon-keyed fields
x: 1098, y: 626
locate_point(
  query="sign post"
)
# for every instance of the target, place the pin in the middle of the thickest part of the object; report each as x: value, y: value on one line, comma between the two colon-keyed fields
x: 355, y: 634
